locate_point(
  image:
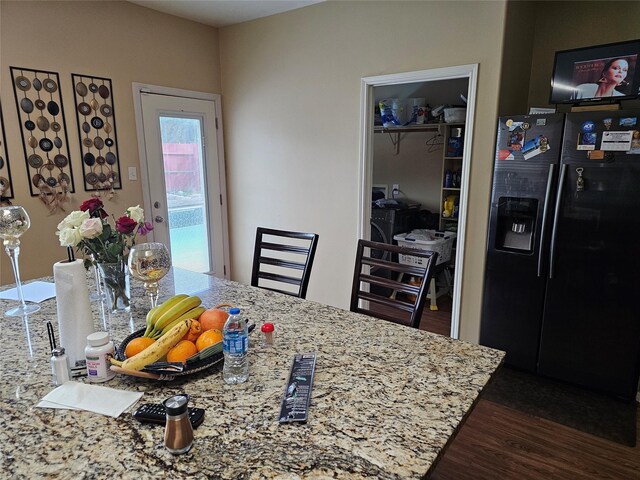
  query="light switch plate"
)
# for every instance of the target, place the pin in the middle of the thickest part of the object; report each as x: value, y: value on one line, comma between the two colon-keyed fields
x: 133, y: 173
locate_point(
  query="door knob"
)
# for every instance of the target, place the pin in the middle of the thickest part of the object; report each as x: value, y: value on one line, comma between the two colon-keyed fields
x: 156, y: 204
x: 159, y: 219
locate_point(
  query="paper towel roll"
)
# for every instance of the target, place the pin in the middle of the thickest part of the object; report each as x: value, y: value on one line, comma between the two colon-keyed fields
x: 74, y: 309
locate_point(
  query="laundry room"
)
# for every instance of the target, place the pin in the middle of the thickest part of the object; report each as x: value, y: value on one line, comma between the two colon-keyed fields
x: 416, y: 177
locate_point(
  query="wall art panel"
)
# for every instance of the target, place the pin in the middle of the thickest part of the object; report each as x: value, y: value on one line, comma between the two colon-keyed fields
x: 44, y: 135
x: 97, y: 132
x: 6, y: 186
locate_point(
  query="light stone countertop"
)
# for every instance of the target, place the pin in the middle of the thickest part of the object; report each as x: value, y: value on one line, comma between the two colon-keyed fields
x: 386, y: 398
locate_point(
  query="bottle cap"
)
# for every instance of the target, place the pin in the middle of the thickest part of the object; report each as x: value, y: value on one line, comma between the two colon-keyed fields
x: 267, y: 327
x: 98, y: 338
x: 57, y: 352
x: 177, y: 404
x: 234, y: 311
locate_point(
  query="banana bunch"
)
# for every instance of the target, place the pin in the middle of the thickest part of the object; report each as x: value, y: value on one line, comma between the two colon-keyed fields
x: 165, y: 316
x: 156, y: 350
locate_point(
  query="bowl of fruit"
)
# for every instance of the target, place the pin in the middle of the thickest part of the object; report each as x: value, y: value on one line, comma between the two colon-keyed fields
x: 181, y: 337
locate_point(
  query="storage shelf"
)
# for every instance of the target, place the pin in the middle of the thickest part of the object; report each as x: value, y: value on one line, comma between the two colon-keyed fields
x: 455, y: 189
x: 427, y: 127
x: 449, y: 219
x: 452, y: 158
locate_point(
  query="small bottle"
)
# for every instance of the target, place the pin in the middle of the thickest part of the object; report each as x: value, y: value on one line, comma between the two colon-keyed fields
x: 59, y: 366
x: 235, y: 345
x: 178, y: 432
x: 448, y: 179
x: 98, y: 352
x: 267, y: 334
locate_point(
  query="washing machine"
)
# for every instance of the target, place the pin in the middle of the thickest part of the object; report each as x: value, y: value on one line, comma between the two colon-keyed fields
x: 385, y: 223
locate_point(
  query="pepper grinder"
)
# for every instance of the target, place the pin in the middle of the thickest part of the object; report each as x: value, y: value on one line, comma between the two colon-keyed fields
x: 178, y: 432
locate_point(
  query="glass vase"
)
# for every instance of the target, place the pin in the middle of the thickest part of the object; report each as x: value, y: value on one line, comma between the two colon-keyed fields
x: 116, y: 285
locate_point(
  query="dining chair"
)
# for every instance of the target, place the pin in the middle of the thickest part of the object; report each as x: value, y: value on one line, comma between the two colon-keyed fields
x: 282, y: 259
x: 391, y: 282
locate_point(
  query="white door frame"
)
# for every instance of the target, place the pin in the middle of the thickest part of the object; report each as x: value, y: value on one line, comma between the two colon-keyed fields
x: 138, y: 89
x: 366, y: 156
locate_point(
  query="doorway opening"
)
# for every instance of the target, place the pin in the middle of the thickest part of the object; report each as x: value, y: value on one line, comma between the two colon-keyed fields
x: 183, y: 177
x: 416, y: 163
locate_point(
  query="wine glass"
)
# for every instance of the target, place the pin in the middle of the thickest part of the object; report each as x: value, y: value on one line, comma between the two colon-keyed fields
x: 149, y: 262
x: 14, y: 221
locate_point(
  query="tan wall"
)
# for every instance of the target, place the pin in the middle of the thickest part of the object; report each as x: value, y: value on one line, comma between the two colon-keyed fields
x: 519, y: 35
x: 291, y: 87
x: 117, y: 40
x: 566, y: 25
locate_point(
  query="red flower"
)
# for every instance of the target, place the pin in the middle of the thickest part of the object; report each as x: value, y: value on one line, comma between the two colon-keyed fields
x: 95, y: 208
x: 125, y: 224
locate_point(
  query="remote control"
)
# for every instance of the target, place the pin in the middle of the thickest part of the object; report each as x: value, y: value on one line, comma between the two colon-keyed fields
x: 155, y: 413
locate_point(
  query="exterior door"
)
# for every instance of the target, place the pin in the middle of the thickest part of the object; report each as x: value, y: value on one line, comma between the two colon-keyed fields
x: 185, y: 180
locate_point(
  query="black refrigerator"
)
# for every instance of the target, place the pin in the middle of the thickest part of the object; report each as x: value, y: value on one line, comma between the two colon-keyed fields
x: 562, y: 282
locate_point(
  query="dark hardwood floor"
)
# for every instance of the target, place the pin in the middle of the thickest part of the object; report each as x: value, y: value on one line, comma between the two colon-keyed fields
x: 497, y: 442
x: 438, y: 321
x: 500, y: 443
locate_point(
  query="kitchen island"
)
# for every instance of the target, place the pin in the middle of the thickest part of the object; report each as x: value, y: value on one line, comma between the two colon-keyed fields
x: 386, y: 398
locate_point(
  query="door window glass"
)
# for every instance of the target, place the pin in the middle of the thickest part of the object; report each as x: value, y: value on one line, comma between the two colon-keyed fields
x: 183, y: 159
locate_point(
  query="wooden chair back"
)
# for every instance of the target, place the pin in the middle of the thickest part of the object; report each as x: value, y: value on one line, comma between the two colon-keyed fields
x: 283, y: 258
x: 391, y: 290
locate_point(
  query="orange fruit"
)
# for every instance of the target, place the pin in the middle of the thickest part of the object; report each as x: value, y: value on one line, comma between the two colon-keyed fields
x: 208, y: 338
x: 183, y: 350
x: 213, y: 318
x: 194, y: 331
x: 137, y: 345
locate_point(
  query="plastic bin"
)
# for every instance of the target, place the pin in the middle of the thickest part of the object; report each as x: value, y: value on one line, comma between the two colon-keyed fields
x: 455, y: 115
x: 441, y: 242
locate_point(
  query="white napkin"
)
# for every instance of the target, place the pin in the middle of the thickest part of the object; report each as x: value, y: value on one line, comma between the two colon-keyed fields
x: 33, y: 292
x: 93, y: 398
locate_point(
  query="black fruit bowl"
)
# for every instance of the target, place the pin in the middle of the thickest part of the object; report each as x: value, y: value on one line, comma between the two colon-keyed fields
x: 189, y: 368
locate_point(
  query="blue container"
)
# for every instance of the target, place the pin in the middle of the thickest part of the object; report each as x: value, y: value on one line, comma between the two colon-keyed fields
x: 454, y: 147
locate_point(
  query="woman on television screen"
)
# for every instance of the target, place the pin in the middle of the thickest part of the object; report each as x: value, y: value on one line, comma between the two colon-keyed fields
x: 612, y: 76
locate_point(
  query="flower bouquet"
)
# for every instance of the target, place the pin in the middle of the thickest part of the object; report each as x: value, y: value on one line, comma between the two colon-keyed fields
x: 105, y: 245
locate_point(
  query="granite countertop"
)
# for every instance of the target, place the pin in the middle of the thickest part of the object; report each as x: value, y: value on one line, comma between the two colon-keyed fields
x: 386, y: 398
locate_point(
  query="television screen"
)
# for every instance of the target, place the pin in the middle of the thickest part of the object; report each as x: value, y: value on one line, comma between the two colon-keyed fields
x: 604, y: 72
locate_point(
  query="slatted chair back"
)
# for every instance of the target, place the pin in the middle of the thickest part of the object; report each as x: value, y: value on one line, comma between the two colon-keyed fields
x: 282, y: 260
x: 384, y: 288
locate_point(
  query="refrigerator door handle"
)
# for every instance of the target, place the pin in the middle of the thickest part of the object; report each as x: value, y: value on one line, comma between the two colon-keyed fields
x: 556, y: 214
x: 543, y: 231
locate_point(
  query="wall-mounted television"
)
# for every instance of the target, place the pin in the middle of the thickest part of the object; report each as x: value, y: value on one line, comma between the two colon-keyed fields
x: 600, y: 73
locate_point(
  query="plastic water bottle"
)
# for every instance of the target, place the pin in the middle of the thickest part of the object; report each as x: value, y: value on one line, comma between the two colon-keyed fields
x: 235, y: 346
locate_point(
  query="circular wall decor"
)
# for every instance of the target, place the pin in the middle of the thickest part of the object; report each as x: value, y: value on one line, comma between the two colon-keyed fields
x: 81, y: 89
x: 23, y: 83
x: 37, y: 84
x: 50, y: 86
x: 53, y: 108
x: 26, y: 105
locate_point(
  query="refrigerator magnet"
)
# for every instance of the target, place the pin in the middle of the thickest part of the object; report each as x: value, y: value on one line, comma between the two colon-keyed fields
x: 587, y: 141
x: 607, y: 123
x: 595, y: 155
x: 617, y: 141
x: 505, y: 155
x: 628, y: 121
x: 635, y: 143
x: 588, y: 126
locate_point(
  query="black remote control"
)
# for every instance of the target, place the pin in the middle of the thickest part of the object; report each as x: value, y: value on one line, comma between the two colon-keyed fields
x: 155, y: 413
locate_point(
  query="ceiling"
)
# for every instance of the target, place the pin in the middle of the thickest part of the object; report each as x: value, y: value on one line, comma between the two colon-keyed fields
x: 222, y: 13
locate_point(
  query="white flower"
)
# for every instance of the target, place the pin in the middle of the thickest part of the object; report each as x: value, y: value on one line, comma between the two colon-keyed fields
x: 136, y: 213
x: 69, y: 236
x: 74, y: 219
x: 91, y: 228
